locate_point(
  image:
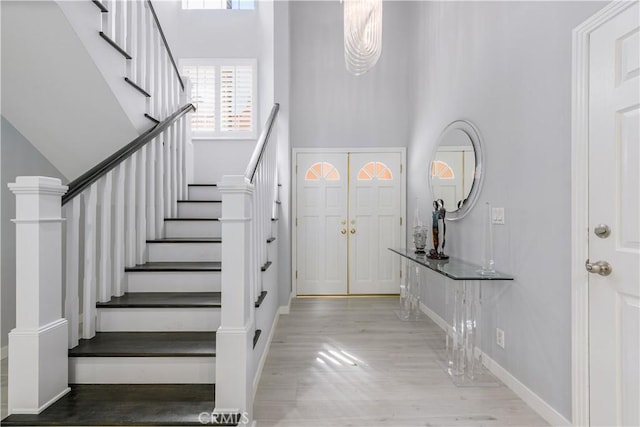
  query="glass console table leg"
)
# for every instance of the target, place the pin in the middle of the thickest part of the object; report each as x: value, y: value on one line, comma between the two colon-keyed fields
x: 405, y: 297
x: 410, y: 293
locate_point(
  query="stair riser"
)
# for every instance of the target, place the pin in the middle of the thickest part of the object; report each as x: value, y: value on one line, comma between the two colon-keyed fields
x: 174, y: 281
x: 158, y: 319
x: 192, y: 229
x: 204, y: 193
x: 178, y: 252
x: 199, y: 210
x: 142, y: 370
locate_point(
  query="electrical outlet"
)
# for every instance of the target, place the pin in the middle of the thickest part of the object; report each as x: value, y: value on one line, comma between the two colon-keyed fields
x: 500, y: 337
x: 497, y: 215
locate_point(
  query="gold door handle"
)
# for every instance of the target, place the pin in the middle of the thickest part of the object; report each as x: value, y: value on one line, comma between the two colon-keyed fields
x: 353, y: 231
x: 343, y: 231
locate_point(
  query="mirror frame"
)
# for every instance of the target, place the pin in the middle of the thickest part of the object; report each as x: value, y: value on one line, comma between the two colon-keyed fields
x: 473, y: 134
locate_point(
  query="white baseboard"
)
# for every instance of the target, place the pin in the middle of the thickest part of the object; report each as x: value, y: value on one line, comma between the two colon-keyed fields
x: 534, y: 401
x: 4, y: 352
x: 263, y: 358
x: 285, y: 309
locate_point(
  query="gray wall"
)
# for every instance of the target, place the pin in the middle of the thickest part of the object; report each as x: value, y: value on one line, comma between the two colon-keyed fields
x: 506, y: 66
x: 329, y: 106
x: 18, y: 158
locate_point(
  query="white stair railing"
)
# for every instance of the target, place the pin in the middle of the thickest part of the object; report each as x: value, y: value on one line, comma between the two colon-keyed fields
x: 247, y: 211
x: 109, y: 213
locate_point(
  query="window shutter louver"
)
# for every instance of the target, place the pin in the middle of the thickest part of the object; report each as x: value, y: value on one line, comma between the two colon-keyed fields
x: 224, y: 93
x: 236, y: 98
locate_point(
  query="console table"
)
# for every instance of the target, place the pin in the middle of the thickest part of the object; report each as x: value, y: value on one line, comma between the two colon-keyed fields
x: 465, y: 293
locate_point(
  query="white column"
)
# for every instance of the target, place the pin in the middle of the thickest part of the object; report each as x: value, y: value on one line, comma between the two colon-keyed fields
x: 38, y: 367
x: 234, y: 340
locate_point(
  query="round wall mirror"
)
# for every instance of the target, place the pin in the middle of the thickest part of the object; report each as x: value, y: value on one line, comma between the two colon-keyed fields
x: 456, y: 175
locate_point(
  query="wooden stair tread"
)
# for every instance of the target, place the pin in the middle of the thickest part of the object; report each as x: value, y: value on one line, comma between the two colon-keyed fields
x: 266, y: 266
x: 164, y: 300
x: 126, y: 404
x: 187, y: 240
x: 203, y: 185
x: 147, y: 344
x: 200, y: 201
x: 177, y: 266
x: 261, y: 298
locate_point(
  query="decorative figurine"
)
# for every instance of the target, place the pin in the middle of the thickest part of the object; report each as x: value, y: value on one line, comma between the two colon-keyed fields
x: 439, y: 213
x: 419, y: 232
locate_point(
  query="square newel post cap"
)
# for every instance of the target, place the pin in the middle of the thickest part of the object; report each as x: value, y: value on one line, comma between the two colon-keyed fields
x: 37, y: 198
x: 38, y: 185
x: 235, y: 184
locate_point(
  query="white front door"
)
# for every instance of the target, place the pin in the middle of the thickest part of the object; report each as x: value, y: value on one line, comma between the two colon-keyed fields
x: 614, y: 201
x: 374, y: 222
x: 348, y: 213
x: 321, y: 223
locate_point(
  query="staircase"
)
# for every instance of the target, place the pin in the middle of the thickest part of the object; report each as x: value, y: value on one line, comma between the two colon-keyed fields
x: 150, y: 315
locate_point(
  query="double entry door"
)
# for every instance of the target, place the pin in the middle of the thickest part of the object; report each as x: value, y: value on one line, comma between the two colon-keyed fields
x: 348, y: 213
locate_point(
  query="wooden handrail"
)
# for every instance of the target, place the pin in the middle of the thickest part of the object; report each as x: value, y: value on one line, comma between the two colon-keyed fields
x: 166, y: 45
x: 262, y: 144
x: 101, y: 169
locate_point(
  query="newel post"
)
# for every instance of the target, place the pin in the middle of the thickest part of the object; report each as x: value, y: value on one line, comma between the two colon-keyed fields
x: 234, y: 389
x: 38, y: 367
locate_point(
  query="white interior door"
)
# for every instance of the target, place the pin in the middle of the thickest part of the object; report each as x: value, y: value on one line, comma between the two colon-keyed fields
x: 321, y: 217
x: 348, y: 213
x: 375, y: 185
x: 614, y: 189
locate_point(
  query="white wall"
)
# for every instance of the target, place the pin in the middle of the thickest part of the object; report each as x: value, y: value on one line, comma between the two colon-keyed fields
x: 506, y: 66
x: 332, y: 108
x: 53, y: 92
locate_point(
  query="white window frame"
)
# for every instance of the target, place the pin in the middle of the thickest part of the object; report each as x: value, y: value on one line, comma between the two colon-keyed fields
x: 218, y: 63
x: 185, y: 6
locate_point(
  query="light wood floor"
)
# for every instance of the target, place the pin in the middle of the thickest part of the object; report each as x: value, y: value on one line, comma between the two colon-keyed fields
x: 351, y: 362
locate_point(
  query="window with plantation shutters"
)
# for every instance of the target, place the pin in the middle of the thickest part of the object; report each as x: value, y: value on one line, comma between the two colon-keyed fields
x: 224, y: 93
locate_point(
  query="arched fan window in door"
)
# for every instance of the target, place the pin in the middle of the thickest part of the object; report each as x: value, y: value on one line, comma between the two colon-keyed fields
x: 375, y: 170
x: 441, y: 170
x: 322, y: 170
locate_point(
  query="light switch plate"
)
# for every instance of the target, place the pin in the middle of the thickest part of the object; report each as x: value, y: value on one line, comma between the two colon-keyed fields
x: 497, y: 215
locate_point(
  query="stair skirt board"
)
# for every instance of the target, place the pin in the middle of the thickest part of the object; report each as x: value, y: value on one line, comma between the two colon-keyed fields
x: 174, y: 281
x: 142, y: 370
x: 178, y: 319
x: 204, y: 192
x: 199, y: 209
x: 187, y: 251
x: 192, y: 228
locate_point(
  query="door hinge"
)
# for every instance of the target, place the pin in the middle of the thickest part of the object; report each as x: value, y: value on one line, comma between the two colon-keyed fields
x: 400, y: 221
x: 296, y: 168
x: 400, y: 167
x: 296, y: 274
x: 401, y: 274
x: 296, y: 222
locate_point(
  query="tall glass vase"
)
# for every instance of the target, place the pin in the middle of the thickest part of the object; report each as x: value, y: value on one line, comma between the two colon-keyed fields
x: 488, y: 263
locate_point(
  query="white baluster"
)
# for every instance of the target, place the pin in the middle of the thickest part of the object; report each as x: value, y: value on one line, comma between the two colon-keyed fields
x: 151, y: 189
x: 90, y: 269
x: 105, y: 265
x: 132, y: 40
x: 121, y: 23
x: 119, y: 283
x: 160, y: 212
x: 72, y: 273
x: 157, y: 74
x: 167, y: 174
x: 141, y: 206
x: 109, y: 19
x: 174, y: 170
x: 130, y: 211
x: 150, y: 58
x: 141, y: 40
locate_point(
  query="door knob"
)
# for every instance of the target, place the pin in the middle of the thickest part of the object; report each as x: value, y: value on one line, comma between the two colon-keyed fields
x: 343, y: 231
x: 353, y: 231
x: 602, y: 268
x: 602, y: 231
